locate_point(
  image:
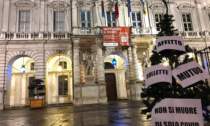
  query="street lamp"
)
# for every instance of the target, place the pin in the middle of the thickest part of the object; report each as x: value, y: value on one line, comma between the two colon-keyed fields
x: 23, y: 68
x: 114, y: 62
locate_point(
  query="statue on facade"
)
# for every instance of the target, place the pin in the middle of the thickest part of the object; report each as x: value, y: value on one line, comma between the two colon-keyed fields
x: 89, y: 66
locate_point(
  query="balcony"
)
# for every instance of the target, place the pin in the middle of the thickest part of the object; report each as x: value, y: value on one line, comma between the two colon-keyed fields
x: 87, y: 30
x: 90, y: 31
x: 34, y: 35
x: 141, y: 31
x: 194, y: 34
x: 98, y: 31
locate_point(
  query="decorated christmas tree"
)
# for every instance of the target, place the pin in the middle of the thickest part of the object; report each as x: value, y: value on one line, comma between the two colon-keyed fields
x: 153, y: 94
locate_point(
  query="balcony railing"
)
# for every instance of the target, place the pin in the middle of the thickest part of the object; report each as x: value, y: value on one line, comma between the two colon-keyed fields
x: 34, y: 35
x: 87, y: 30
x: 98, y: 31
x: 140, y: 31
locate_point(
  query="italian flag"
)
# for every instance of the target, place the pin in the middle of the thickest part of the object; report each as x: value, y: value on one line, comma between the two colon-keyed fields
x: 102, y: 9
x: 116, y: 10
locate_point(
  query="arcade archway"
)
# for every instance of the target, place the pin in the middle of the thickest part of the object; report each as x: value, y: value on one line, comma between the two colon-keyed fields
x: 59, y: 80
x: 115, y: 78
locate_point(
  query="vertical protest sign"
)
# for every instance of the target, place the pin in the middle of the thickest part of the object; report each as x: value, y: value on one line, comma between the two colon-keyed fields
x: 177, y: 112
x: 189, y: 73
x: 157, y: 73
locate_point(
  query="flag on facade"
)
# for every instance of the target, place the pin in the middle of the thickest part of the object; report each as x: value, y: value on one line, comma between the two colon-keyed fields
x: 116, y: 10
x: 102, y: 9
x: 144, y: 7
x: 129, y: 7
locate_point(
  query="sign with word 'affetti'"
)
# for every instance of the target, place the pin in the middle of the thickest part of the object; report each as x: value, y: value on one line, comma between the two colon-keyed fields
x: 170, y: 43
x: 177, y: 112
x: 189, y: 73
x: 158, y: 73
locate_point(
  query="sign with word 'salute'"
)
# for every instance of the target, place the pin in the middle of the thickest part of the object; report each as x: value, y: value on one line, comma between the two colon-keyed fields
x: 170, y: 43
x: 157, y: 73
x: 189, y: 73
x: 177, y: 112
x: 116, y: 36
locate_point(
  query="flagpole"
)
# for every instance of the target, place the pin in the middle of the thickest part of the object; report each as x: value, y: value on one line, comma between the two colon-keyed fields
x: 105, y: 17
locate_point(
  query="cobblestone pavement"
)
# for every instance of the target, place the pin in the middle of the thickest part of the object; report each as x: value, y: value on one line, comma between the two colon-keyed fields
x: 121, y: 113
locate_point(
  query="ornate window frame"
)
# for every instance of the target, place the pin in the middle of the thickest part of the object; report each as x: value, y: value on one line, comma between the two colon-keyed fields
x: 136, y: 6
x: 86, y: 5
x: 157, y: 8
x: 24, y: 5
x: 186, y: 8
x: 141, y: 17
x: 57, y: 6
x: 206, y: 10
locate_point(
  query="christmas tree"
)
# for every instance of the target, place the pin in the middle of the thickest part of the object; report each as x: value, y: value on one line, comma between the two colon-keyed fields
x: 159, y: 91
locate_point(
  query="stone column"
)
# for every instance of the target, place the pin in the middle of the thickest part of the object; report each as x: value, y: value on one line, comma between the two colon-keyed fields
x: 42, y: 16
x: 136, y: 87
x: 40, y: 68
x: 3, y: 74
x: 130, y: 65
x: 77, y: 84
x: 40, y: 65
x: 82, y: 72
x: 6, y: 15
x: 76, y: 61
x: 101, y: 77
x: 135, y: 63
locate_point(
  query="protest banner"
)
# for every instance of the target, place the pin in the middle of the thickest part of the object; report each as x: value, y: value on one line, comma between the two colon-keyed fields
x: 189, y: 73
x: 157, y: 73
x: 116, y: 36
x: 177, y: 112
x: 170, y: 43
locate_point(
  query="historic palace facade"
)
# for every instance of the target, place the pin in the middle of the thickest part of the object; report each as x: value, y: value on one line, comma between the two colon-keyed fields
x: 45, y: 34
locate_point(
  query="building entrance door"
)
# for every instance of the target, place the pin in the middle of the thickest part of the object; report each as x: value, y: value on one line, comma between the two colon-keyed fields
x: 111, y: 87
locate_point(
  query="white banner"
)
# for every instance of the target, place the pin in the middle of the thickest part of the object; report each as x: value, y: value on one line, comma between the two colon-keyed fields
x: 189, y: 73
x: 170, y: 42
x: 157, y: 73
x: 177, y: 112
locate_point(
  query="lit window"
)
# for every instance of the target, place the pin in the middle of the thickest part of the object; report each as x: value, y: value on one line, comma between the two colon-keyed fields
x: 111, y: 19
x: 85, y: 19
x: 136, y: 19
x: 59, y: 21
x: 187, y: 22
x: 63, y: 85
x: 32, y: 66
x: 158, y: 18
x: 63, y: 64
x: 24, y: 21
